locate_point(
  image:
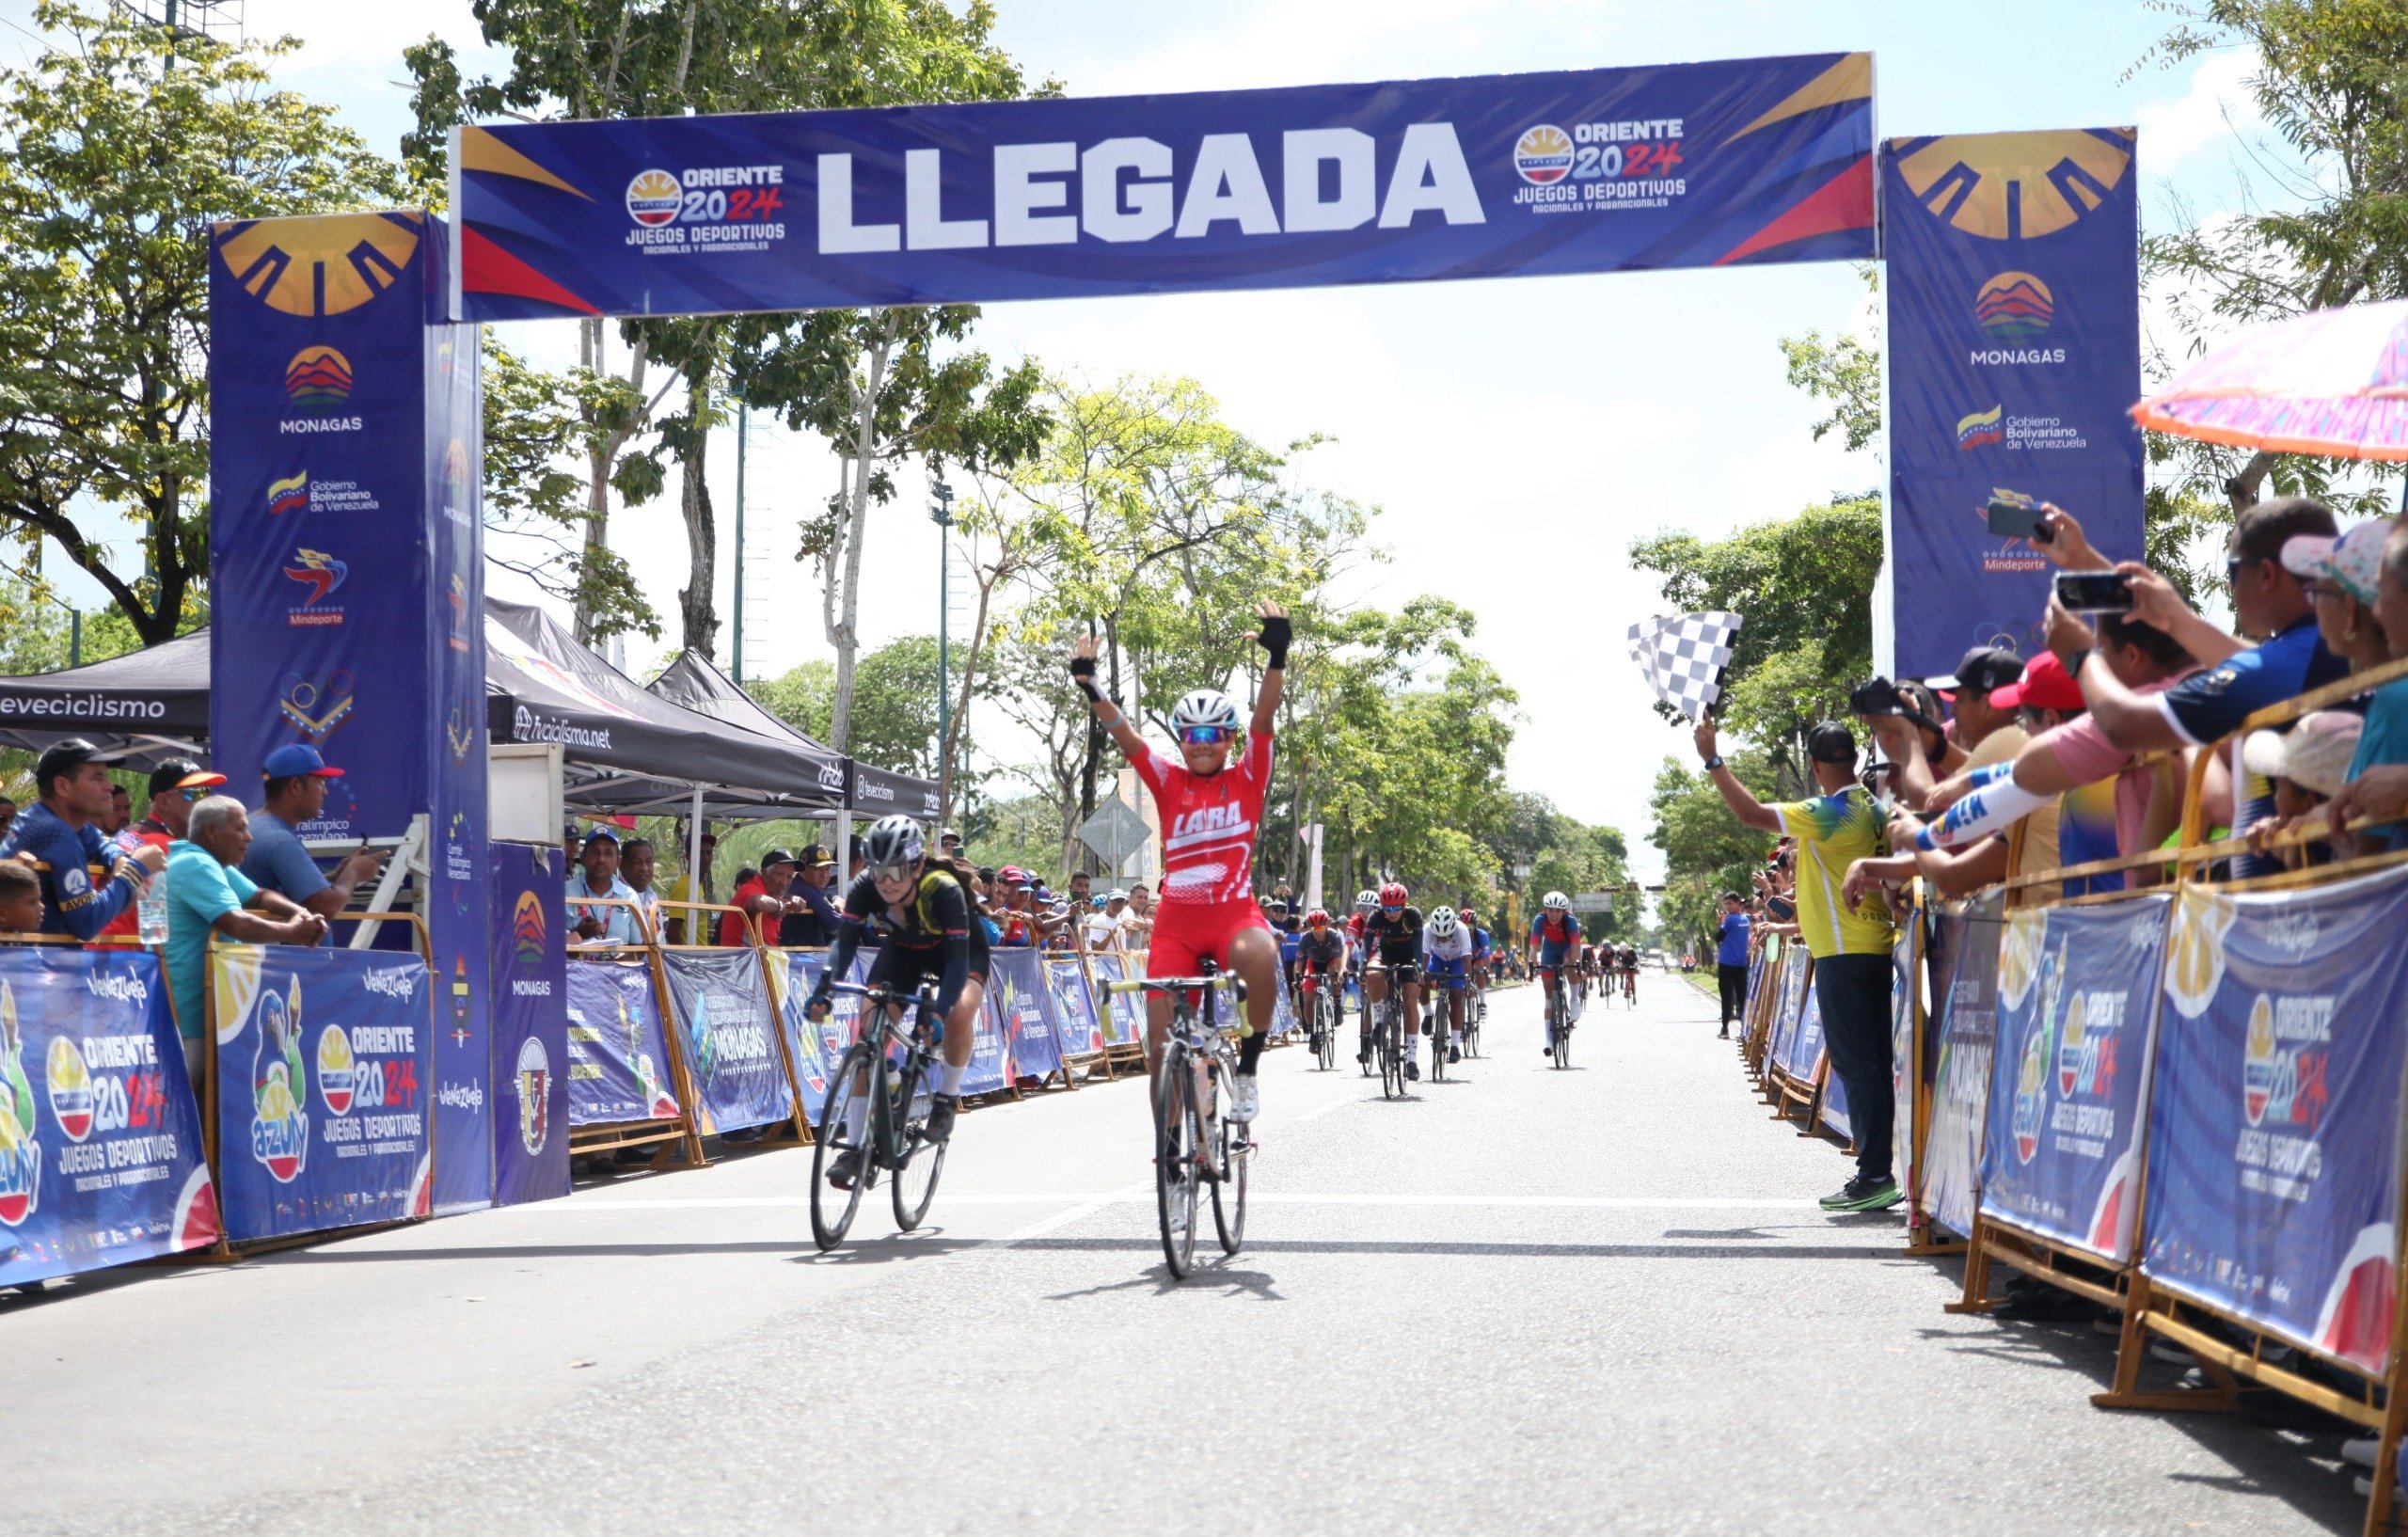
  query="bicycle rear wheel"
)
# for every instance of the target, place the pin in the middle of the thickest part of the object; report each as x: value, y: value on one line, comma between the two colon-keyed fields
x: 922, y: 1163
x: 1178, y: 1141
x: 1235, y: 1154
x: 1564, y: 1043
x: 1326, y: 1009
x: 831, y: 1210
x: 1392, y: 1052
x: 1438, y: 1038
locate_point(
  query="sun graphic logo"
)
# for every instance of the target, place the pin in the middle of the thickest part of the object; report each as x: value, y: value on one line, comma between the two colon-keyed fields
x: 338, y: 1070
x: 2014, y: 307
x: 653, y: 198
x: 527, y: 927
x: 72, y: 1100
x: 321, y: 264
x: 2260, y: 1061
x: 318, y: 379
x: 2015, y: 186
x: 1542, y: 154
x: 2031, y: 1089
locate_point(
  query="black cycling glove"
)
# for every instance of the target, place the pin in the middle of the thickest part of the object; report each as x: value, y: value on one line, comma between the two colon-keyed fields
x: 1083, y: 673
x: 1277, y: 633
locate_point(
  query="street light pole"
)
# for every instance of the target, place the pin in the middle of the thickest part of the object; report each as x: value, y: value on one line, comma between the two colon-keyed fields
x: 941, y: 514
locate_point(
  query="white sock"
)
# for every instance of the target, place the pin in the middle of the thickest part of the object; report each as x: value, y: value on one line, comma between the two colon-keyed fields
x: 949, y: 1079
x: 856, y: 1119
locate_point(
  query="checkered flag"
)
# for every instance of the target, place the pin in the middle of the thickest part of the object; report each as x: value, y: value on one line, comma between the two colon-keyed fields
x: 1684, y: 658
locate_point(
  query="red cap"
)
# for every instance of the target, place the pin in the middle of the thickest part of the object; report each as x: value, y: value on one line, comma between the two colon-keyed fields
x: 2044, y: 686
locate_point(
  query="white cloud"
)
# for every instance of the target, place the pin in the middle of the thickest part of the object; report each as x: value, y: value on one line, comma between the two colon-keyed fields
x: 2215, y: 109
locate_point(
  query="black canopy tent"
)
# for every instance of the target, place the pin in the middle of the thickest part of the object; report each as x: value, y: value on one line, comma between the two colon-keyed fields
x: 697, y: 684
x: 146, y: 705
x: 630, y: 750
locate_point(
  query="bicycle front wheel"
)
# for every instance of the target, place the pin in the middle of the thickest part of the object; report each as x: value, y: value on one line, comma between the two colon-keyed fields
x: 831, y: 1210
x: 923, y: 1163
x: 1179, y: 1142
x: 1229, y: 1192
x: 1391, y: 1059
x: 1564, y: 1043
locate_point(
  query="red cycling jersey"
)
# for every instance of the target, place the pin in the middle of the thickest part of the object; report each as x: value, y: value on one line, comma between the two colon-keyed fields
x: 1209, y: 823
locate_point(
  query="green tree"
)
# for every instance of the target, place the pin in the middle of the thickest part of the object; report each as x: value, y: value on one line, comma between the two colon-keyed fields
x: 894, y: 717
x: 1844, y: 373
x: 124, y: 143
x: 1706, y: 850
x: 2332, y: 83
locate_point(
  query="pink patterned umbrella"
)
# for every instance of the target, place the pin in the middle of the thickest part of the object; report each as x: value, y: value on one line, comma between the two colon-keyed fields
x: 2333, y: 382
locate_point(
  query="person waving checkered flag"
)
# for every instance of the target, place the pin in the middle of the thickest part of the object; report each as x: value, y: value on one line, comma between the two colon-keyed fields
x: 1684, y: 658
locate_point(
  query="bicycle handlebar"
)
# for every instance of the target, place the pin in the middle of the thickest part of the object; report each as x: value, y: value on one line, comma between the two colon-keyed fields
x: 1179, y: 984
x: 926, y: 997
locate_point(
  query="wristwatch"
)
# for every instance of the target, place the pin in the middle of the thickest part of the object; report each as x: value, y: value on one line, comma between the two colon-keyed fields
x: 1713, y: 763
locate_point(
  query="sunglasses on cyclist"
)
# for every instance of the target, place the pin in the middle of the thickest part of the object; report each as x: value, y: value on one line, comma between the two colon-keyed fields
x: 894, y: 872
x: 1388, y: 907
x: 1205, y: 735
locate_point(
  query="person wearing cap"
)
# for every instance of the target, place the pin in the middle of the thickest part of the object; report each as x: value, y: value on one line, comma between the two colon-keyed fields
x: 1103, y: 927
x: 295, y: 795
x: 686, y: 888
x: 2341, y: 577
x: 948, y: 844
x: 208, y: 894
x: 762, y: 897
x: 173, y: 787
x: 61, y: 831
x: 2235, y: 679
x: 2307, y: 768
x: 1850, y: 944
x: 1914, y: 737
x: 2376, y: 786
x: 810, y: 918
x: 596, y: 880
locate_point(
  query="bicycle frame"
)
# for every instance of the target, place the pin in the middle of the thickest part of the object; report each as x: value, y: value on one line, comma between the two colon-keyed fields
x: 918, y: 1045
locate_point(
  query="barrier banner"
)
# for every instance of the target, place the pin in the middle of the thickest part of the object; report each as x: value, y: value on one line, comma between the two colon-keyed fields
x: 1123, y: 1015
x: 529, y: 967
x: 2274, y: 1132
x: 2012, y: 275
x: 991, y: 1062
x: 2077, y: 1015
x: 1789, y: 1003
x: 1832, y: 1113
x: 1906, y: 987
x: 1283, y: 1014
x: 1021, y: 1003
x: 725, y: 1013
x: 818, y: 1049
x: 1588, y: 170
x: 1801, y: 1046
x: 618, y: 1059
x: 1966, y: 1030
x: 1073, y: 1008
x: 100, y: 1140
x: 322, y: 1060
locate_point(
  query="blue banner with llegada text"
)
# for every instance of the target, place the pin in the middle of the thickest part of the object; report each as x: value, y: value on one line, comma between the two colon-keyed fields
x: 618, y: 1055
x: 2273, y: 1133
x: 729, y: 1031
x: 2077, y: 1015
x: 1022, y: 1002
x: 1074, y: 1011
x: 2011, y: 265
x: 100, y: 1140
x: 1573, y: 171
x: 321, y: 1061
x: 1967, y: 1032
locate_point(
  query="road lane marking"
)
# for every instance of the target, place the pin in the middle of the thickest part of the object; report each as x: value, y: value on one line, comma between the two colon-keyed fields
x: 1144, y: 1191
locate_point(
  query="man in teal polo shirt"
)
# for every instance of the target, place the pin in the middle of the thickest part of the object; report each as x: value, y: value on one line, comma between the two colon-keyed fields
x: 208, y: 894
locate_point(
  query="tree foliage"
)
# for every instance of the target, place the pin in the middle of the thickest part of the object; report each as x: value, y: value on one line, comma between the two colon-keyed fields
x: 120, y: 146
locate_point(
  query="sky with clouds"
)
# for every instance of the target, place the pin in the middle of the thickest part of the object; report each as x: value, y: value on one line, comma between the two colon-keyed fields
x: 1515, y: 435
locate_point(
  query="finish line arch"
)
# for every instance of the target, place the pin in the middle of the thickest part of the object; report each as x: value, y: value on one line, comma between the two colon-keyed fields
x: 346, y: 541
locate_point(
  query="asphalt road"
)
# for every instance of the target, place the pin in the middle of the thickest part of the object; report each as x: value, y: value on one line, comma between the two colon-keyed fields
x: 1601, y: 1300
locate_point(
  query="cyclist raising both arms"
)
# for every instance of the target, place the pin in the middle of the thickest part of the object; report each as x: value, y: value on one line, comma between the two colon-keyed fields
x: 1210, y: 809
x: 920, y: 910
x: 1393, y: 935
x: 1555, y: 934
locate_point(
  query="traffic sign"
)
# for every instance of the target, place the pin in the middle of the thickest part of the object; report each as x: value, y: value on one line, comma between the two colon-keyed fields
x: 1594, y: 901
x: 1115, y: 832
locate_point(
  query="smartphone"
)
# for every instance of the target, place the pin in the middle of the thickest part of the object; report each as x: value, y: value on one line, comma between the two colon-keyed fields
x: 2094, y: 592
x: 2014, y: 515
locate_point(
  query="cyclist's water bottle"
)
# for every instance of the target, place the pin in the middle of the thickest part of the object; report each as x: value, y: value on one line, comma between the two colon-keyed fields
x: 150, y: 910
x: 922, y: 1097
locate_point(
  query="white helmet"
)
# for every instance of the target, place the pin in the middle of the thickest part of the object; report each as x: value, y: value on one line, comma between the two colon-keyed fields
x: 1366, y: 901
x: 1554, y: 901
x: 1443, y: 922
x: 1205, y: 707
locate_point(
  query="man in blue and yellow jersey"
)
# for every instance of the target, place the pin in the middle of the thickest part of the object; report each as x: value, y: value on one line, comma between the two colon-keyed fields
x: 1850, y: 944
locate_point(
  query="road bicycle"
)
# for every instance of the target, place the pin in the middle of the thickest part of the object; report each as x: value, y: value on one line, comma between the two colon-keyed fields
x: 1392, y: 1045
x: 895, y: 1069
x: 1474, y: 1010
x: 1321, y: 1020
x: 1558, y: 1021
x: 1363, y: 1019
x: 1195, y: 1144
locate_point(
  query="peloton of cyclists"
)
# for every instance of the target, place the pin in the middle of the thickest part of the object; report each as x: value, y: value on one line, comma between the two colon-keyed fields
x: 1555, y: 938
